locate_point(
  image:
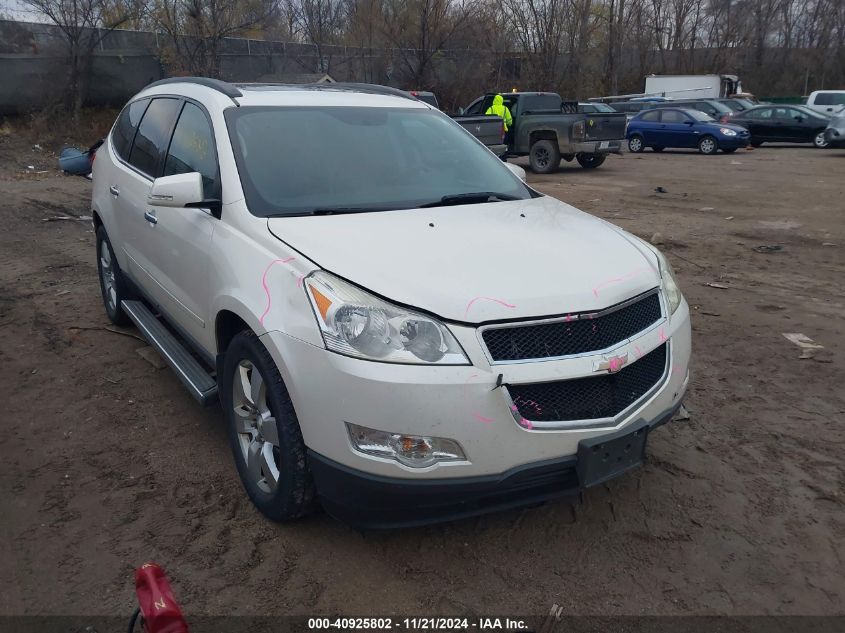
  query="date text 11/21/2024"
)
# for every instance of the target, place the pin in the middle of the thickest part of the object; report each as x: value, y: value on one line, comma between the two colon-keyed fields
x: 418, y: 624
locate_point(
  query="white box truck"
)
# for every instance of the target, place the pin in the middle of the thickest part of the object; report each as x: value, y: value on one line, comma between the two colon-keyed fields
x: 692, y: 86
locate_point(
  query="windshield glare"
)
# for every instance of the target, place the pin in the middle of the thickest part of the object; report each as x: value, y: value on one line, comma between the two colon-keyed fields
x: 298, y: 160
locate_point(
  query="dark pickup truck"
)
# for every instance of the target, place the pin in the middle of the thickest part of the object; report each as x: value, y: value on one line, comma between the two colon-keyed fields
x: 488, y: 129
x: 547, y: 129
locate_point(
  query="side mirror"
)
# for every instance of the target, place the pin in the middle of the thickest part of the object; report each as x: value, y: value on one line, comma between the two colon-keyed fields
x: 179, y: 190
x: 460, y: 111
x: 518, y: 171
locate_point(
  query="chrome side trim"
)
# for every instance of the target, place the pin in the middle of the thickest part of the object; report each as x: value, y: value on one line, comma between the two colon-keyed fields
x: 594, y: 423
x: 575, y: 317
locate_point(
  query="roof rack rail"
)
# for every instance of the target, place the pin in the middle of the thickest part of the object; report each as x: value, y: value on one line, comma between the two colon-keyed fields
x: 215, y: 84
x: 371, y: 88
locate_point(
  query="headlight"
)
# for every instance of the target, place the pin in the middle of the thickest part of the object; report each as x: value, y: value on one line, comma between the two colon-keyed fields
x: 412, y: 450
x: 357, y: 323
x: 727, y: 132
x: 670, y: 286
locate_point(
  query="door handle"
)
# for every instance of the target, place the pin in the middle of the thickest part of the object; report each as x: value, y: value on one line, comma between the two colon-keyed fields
x: 114, y: 191
x: 150, y: 217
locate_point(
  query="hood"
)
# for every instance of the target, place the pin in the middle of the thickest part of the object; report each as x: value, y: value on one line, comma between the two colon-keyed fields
x: 498, y: 100
x: 482, y: 262
x: 730, y: 126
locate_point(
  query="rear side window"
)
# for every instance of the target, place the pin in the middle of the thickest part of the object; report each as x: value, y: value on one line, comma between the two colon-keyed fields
x: 153, y: 135
x: 650, y: 115
x: 830, y: 98
x: 192, y: 149
x: 127, y: 123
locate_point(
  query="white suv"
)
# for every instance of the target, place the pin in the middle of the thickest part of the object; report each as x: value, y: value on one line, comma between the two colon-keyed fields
x: 392, y: 320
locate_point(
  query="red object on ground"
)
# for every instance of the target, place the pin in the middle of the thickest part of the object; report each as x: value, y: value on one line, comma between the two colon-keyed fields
x: 159, y: 608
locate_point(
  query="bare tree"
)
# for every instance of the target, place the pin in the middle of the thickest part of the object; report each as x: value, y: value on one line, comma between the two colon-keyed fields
x: 320, y: 22
x: 83, y: 25
x: 420, y: 29
x: 197, y: 29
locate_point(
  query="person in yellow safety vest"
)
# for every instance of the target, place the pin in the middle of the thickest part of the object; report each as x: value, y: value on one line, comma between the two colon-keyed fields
x: 500, y: 109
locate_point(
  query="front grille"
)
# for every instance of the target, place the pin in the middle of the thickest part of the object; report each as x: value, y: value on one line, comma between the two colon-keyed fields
x: 574, y: 334
x: 592, y: 397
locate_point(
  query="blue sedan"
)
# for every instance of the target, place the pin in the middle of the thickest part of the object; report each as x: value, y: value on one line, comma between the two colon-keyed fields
x: 682, y: 127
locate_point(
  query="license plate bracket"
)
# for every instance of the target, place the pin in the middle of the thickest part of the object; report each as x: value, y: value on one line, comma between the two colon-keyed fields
x: 607, y: 456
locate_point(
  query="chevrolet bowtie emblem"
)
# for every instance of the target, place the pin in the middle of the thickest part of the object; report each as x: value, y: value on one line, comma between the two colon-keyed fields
x: 611, y: 364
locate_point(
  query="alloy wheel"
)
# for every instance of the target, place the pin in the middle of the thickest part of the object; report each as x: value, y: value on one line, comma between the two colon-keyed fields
x: 255, y: 424
x: 107, y: 276
x: 708, y: 146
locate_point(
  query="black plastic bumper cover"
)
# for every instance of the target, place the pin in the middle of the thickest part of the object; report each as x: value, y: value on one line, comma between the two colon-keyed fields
x: 376, y: 502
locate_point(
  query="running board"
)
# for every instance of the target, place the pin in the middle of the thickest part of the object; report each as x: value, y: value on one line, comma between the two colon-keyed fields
x: 188, y: 369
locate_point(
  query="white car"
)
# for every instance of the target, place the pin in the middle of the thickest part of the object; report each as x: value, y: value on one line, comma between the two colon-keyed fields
x: 827, y: 102
x: 393, y: 321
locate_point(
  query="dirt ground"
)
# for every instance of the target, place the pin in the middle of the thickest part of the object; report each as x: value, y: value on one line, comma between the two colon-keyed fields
x: 106, y: 462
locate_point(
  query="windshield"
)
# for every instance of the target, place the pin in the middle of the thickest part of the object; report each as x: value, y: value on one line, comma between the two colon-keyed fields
x: 699, y: 116
x: 301, y: 160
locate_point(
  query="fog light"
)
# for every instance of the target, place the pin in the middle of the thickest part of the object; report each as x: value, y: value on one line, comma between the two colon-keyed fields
x: 415, y: 451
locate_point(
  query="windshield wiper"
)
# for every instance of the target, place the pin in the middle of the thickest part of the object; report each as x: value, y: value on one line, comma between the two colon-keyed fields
x: 342, y: 210
x: 470, y: 198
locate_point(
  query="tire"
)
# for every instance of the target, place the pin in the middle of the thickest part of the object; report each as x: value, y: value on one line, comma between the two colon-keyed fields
x: 113, y: 285
x: 756, y: 143
x: 729, y: 150
x: 544, y: 157
x: 264, y: 431
x: 635, y: 144
x: 590, y: 161
x: 819, y: 141
x: 708, y: 145
x: 657, y: 148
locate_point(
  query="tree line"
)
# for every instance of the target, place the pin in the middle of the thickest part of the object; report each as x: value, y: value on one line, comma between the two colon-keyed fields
x: 580, y: 48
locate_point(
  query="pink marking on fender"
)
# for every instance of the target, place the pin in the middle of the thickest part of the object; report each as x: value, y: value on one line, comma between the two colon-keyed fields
x: 638, y: 351
x: 482, y: 419
x: 662, y: 336
x: 617, y: 280
x: 299, y: 281
x: 615, y: 364
x: 499, y: 301
x: 526, y: 424
x: 264, y: 284
x: 568, y: 318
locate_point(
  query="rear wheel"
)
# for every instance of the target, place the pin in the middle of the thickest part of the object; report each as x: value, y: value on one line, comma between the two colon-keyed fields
x: 635, y: 144
x: 708, y: 145
x: 113, y: 286
x: 819, y: 140
x: 264, y: 431
x: 658, y: 148
x: 590, y: 161
x: 544, y: 157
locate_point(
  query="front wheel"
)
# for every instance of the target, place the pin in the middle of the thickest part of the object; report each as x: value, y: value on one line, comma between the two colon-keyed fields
x: 708, y: 145
x: 264, y: 431
x: 819, y: 141
x: 635, y: 144
x: 544, y: 157
x: 590, y: 161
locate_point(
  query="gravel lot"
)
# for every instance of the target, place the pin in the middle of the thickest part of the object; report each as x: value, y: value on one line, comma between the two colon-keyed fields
x: 106, y: 461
